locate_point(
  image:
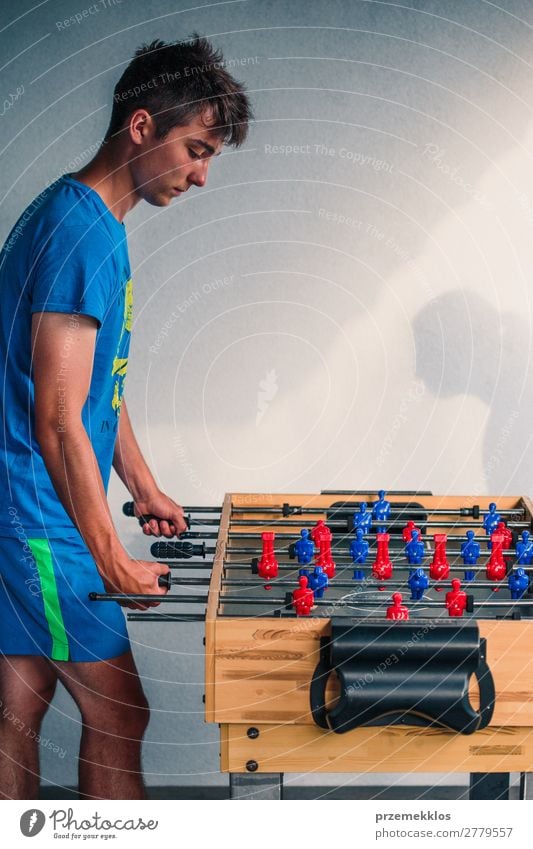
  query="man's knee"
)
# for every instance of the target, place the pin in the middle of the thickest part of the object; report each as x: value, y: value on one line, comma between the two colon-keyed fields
x: 125, y: 721
x: 135, y: 719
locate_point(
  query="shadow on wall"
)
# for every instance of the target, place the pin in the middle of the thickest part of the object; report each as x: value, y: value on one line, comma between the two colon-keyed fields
x: 465, y: 346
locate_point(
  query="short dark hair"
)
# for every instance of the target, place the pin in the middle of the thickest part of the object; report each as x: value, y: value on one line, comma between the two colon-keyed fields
x: 178, y: 81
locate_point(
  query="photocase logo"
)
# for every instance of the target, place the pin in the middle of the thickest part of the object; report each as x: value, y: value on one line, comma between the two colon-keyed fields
x: 268, y: 389
x: 32, y: 822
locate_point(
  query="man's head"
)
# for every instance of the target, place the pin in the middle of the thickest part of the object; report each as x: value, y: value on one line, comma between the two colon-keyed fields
x: 174, y: 107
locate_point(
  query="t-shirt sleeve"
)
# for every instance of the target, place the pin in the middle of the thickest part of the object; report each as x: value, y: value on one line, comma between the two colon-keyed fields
x: 74, y: 271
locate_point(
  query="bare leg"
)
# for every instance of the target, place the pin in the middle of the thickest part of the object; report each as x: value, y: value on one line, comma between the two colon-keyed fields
x: 115, y: 715
x: 27, y: 685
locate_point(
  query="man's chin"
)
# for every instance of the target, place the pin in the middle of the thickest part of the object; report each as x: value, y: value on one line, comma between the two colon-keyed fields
x: 159, y: 200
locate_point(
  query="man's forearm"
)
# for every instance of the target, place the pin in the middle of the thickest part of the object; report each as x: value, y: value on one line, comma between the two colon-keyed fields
x: 71, y: 463
x: 128, y: 461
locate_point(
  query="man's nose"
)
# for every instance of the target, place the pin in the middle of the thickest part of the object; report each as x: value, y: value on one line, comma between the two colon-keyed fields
x: 198, y: 175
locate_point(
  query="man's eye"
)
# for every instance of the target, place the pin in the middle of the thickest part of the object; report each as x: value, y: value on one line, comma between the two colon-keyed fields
x: 193, y: 154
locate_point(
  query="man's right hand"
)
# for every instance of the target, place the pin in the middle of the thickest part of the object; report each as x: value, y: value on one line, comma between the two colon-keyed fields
x: 135, y: 577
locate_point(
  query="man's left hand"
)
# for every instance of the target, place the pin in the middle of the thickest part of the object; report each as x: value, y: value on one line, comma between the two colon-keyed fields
x: 172, y: 518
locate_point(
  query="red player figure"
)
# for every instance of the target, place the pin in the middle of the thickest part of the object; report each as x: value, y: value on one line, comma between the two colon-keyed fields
x: 397, y: 610
x: 456, y: 599
x: 496, y: 568
x: 320, y: 531
x: 406, y: 533
x: 507, y: 535
x: 268, y: 565
x: 382, y: 566
x: 325, y: 558
x: 440, y: 568
x: 303, y: 599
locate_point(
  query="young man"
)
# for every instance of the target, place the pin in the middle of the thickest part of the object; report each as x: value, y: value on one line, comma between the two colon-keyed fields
x: 65, y: 324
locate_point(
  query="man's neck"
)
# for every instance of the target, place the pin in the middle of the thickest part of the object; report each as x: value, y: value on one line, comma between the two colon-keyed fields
x: 110, y: 177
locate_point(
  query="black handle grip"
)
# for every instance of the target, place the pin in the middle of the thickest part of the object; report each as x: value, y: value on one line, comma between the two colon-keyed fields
x: 129, y: 510
x: 184, y: 550
x: 165, y: 580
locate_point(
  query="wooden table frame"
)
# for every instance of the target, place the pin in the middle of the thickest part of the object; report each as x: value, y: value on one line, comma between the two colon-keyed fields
x: 258, y: 672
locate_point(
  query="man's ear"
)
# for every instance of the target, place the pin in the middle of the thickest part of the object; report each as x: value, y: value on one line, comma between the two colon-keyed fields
x: 141, y: 124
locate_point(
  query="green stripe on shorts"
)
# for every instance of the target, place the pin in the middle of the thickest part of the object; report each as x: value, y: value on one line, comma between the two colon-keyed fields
x: 40, y: 549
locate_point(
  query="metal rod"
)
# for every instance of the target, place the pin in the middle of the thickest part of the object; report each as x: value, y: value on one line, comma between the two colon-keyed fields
x: 345, y: 567
x: 188, y: 564
x: 294, y: 565
x: 273, y: 602
x: 204, y: 522
x: 198, y: 534
x: 348, y: 535
x: 166, y: 617
x: 276, y: 582
x: 190, y: 582
x: 342, y: 602
x: 510, y: 603
x: 352, y: 507
x: 243, y: 535
x: 184, y: 599
x: 336, y: 552
x: 332, y: 523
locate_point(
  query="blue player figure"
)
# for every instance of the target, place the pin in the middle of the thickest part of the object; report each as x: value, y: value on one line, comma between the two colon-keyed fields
x: 491, y: 519
x: 359, y: 552
x: 318, y: 581
x: 470, y: 553
x: 415, y: 549
x: 524, y: 550
x: 381, y: 511
x: 304, y: 573
x: 518, y: 582
x: 418, y: 583
x: 304, y: 548
x: 362, y: 518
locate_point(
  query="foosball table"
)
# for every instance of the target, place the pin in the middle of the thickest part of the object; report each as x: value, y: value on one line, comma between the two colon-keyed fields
x: 361, y: 632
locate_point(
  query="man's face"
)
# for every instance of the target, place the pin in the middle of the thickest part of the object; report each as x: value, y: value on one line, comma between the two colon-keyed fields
x: 164, y: 168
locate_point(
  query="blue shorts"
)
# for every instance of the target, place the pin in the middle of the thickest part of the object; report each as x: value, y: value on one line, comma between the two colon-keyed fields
x: 44, y: 604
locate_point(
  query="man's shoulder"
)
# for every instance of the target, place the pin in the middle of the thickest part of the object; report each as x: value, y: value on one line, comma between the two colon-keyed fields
x: 66, y: 220
x: 67, y: 203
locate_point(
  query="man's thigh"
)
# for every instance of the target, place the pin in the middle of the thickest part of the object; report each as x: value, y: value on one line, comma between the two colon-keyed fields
x: 111, y: 687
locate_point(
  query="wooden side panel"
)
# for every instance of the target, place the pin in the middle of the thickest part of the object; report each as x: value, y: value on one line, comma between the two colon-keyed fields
x: 304, y: 748
x: 211, y: 611
x: 224, y: 748
x: 263, y: 668
x: 527, y: 504
x: 323, y: 502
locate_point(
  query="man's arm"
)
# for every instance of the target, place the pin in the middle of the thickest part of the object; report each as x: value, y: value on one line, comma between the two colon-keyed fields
x: 133, y: 471
x: 63, y: 354
x: 128, y: 461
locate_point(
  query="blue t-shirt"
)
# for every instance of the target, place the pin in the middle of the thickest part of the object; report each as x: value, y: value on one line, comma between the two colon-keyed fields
x: 67, y: 253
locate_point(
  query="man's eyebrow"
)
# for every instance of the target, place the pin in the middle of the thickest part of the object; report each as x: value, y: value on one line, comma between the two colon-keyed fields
x: 207, y: 147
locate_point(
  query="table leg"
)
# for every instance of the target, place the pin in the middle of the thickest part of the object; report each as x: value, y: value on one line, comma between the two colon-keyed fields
x: 489, y: 785
x: 526, y: 785
x: 256, y: 785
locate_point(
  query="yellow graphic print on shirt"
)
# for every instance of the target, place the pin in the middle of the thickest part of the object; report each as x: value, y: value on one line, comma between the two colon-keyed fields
x: 120, y: 363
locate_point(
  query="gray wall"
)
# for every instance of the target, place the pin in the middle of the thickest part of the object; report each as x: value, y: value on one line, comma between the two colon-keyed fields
x: 346, y: 304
